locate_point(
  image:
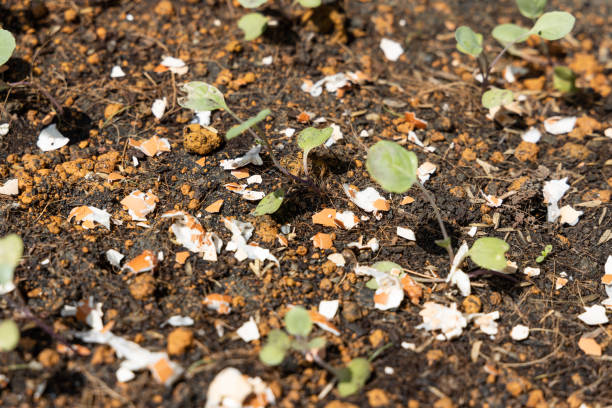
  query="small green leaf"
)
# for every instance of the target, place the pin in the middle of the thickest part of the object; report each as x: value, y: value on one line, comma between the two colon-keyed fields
x: 310, y: 137
x: 9, y: 335
x: 554, y: 25
x: 468, y: 42
x: 488, y: 253
x: 386, y: 266
x: 202, y: 97
x: 444, y: 243
x: 564, y: 79
x: 244, y: 126
x: 298, y: 321
x: 392, y: 166
x: 7, y: 45
x: 251, y: 3
x: 531, y: 8
x: 316, y: 343
x: 11, y: 249
x: 270, y: 203
x: 309, y: 3
x: 497, y: 97
x: 372, y: 284
x: 253, y: 25
x: 272, y: 355
x: 354, y: 376
x: 510, y: 34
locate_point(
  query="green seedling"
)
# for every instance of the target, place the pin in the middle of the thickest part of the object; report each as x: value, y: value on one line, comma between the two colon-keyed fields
x: 489, y: 253
x: 270, y: 203
x: 298, y: 326
x: 550, y: 26
x: 564, y: 80
x: 254, y: 25
x: 547, y: 250
x: 205, y: 97
x: 311, y: 138
x: 7, y: 46
x: 11, y: 249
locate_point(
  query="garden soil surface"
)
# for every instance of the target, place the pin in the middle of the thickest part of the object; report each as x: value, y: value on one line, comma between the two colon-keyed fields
x: 65, y: 53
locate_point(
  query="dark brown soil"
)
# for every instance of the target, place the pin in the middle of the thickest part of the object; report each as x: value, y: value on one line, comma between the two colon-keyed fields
x: 68, y: 48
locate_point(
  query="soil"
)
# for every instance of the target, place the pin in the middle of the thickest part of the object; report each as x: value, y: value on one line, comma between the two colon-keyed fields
x: 68, y: 48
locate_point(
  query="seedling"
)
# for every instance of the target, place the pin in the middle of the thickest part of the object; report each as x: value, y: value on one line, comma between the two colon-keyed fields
x: 7, y: 46
x: 205, y: 97
x: 547, y: 250
x: 564, y: 80
x: 254, y: 24
x: 550, y: 26
x: 11, y: 249
x: 299, y: 325
x: 310, y: 138
x: 395, y: 168
x: 270, y: 203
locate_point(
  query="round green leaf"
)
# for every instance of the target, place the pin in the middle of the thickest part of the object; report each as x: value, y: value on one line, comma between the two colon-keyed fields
x: 9, y: 335
x: 272, y: 355
x: 310, y: 3
x: 244, y: 126
x: 564, y: 79
x: 531, y: 8
x: 468, y: 42
x: 279, y: 338
x: 316, y: 343
x: 251, y: 3
x: 11, y: 249
x: 554, y: 25
x: 270, y: 203
x: 392, y: 166
x: 372, y: 284
x: 497, y: 97
x: 310, y: 137
x: 510, y: 34
x: 253, y: 25
x: 298, y: 321
x: 354, y: 376
x: 488, y: 253
x: 7, y: 45
x: 202, y: 97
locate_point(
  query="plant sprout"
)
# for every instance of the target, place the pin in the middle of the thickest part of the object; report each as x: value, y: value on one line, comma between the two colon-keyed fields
x: 11, y: 249
x: 299, y: 325
x: 310, y: 138
x: 205, y: 97
x: 547, y: 250
x: 270, y: 203
x: 550, y: 26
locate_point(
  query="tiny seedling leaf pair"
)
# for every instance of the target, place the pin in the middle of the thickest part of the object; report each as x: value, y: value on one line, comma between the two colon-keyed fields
x: 298, y: 324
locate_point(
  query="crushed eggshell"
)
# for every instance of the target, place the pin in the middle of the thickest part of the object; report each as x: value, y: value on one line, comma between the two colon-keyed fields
x: 589, y: 346
x: 251, y: 157
x: 553, y: 191
x: 328, y: 308
x: 372, y: 244
x: 456, y: 276
x: 492, y: 201
x: 146, y: 261
x: 337, y: 259
x: 86, y: 311
x: 159, y: 107
x: 117, y: 72
x: 51, y: 139
x: 178, y: 321
x: 412, y: 289
x: 446, y: 319
x: 322, y: 240
x: 232, y: 389
x: 139, y: 204
x: 531, y: 272
x: 241, y: 232
x: 214, y: 207
x: 248, y: 331
x: 532, y: 135
x: 154, y: 146
x: 519, y: 332
x: 425, y: 171
x: 569, y: 215
x: 220, y: 303
x: 486, y: 322
x: 392, y: 49
x: 240, y: 174
x: 190, y: 234
x: 389, y: 294
x: 368, y: 200
x: 10, y: 188
x: 175, y: 65
x: 114, y: 257
x: 558, y: 125
x: 407, y: 200
x: 89, y: 216
x: 406, y: 233
x: 594, y: 315
x: 325, y: 217
x: 181, y: 257
x: 242, y: 190
x: 322, y: 321
x: 335, y: 136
